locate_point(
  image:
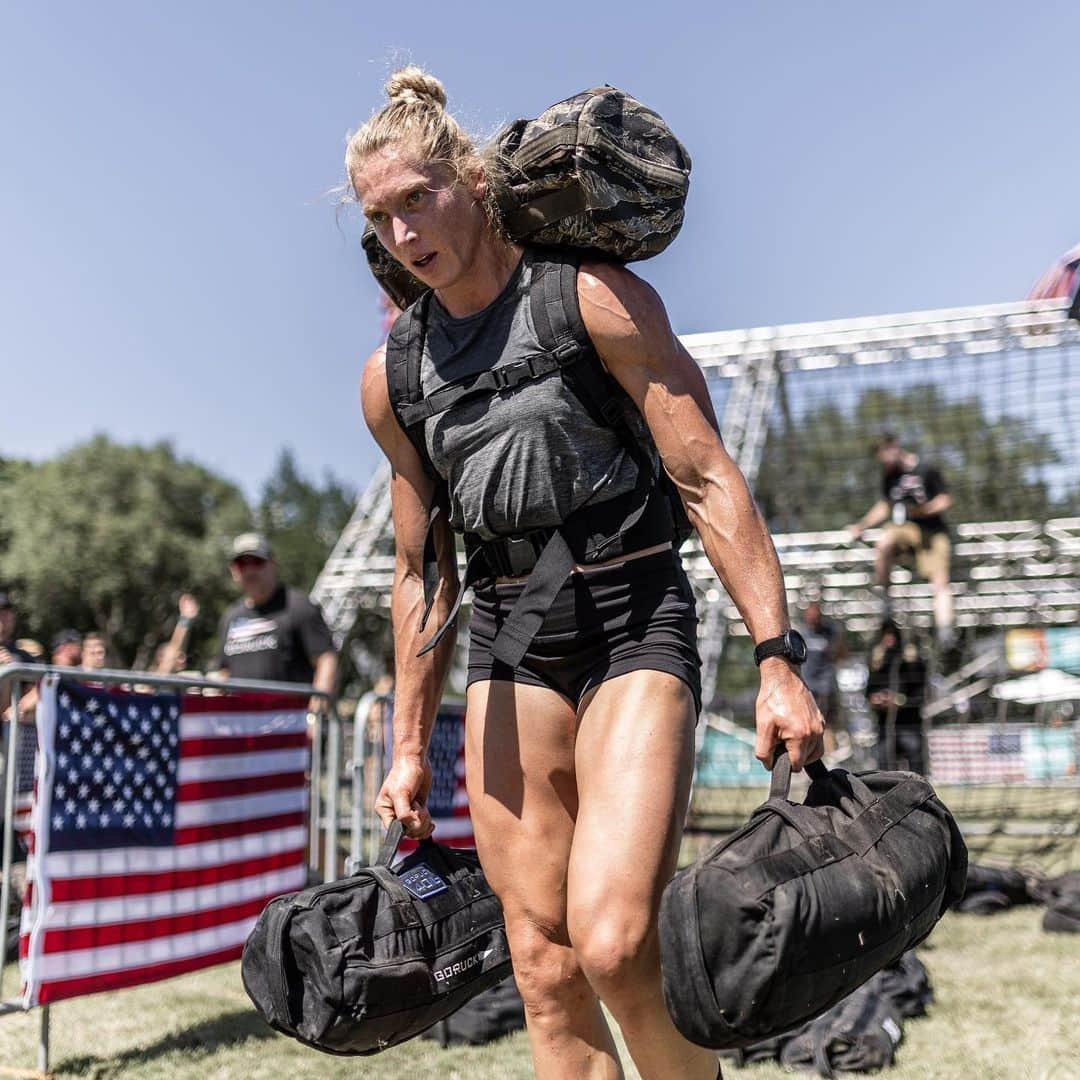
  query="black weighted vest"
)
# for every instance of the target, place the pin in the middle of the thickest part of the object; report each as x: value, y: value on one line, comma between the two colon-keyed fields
x: 651, y: 513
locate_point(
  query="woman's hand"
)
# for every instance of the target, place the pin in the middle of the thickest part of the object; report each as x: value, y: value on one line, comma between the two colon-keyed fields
x: 787, y: 713
x: 404, y: 796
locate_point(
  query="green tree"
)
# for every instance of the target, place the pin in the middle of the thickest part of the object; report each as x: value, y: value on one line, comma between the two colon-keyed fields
x: 106, y: 537
x: 301, y: 519
x: 817, y: 472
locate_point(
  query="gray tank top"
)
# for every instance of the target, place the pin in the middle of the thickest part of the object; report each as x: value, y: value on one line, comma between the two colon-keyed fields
x: 518, y: 459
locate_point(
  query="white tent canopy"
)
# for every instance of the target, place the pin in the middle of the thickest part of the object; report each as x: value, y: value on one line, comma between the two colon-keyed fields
x: 1048, y: 685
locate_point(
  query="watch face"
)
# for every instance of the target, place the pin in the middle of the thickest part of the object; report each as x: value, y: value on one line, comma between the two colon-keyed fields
x: 796, y: 646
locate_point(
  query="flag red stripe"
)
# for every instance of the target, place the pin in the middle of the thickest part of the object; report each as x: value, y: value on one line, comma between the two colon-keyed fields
x: 244, y: 701
x: 113, y: 885
x: 59, y: 989
x: 89, y: 937
x: 196, y: 834
x: 239, y: 744
x: 240, y: 785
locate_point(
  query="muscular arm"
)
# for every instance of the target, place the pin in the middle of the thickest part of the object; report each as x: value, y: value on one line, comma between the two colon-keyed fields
x: 325, y: 675
x: 630, y: 329
x: 418, y: 680
x: 877, y: 513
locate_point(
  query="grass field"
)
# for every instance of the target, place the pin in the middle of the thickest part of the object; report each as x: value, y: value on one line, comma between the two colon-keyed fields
x: 1008, y: 1003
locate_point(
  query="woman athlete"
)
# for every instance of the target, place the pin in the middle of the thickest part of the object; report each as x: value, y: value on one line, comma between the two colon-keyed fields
x: 579, y: 759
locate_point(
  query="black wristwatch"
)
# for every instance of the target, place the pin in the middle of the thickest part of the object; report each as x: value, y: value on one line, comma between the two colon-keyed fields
x: 790, y: 644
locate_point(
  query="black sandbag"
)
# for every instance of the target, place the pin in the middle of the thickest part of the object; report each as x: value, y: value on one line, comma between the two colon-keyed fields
x: 1047, y: 891
x: 766, y: 1050
x: 1062, y: 914
x: 984, y: 902
x: 858, y: 1035
x: 805, y: 903
x: 488, y: 1016
x: 906, y: 984
x: 1007, y: 880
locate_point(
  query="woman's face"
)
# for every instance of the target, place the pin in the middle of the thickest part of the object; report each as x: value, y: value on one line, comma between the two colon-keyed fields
x: 423, y: 215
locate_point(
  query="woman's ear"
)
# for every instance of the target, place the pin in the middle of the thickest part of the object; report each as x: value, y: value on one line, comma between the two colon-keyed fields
x: 478, y: 182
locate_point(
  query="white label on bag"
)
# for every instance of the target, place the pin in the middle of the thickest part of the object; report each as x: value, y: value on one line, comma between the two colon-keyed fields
x: 448, y: 972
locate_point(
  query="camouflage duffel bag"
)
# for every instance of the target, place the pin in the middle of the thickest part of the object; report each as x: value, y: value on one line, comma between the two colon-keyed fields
x: 599, y: 172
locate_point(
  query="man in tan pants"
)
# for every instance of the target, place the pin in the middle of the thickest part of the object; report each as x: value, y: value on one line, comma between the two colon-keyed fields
x: 913, y: 501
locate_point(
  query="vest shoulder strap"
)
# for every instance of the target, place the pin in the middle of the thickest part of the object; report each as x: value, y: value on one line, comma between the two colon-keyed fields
x: 404, y: 353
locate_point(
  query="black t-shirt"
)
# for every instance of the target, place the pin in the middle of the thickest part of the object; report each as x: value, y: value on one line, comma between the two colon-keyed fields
x: 819, y: 670
x: 276, y: 640
x: 913, y: 487
x: 900, y: 671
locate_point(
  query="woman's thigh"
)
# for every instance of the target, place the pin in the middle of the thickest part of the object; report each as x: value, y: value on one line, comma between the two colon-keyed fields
x: 519, y: 754
x: 635, y: 760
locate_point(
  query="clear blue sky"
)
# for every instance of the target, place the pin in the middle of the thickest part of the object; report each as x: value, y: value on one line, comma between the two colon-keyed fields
x: 172, y: 264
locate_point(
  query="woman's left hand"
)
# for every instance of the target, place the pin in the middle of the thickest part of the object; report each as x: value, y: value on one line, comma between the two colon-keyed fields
x: 787, y: 713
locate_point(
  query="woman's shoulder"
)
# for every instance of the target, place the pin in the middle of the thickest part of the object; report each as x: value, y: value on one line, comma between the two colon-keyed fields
x: 615, y: 303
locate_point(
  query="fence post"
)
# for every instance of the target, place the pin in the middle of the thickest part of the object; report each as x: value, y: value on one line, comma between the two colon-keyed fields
x: 315, y: 728
x: 333, y: 777
x: 11, y: 770
x: 43, y: 1042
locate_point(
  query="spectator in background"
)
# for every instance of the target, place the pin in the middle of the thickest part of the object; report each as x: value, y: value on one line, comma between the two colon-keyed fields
x: 914, y: 499
x: 824, y: 647
x: 170, y: 658
x: 10, y: 650
x: 896, y: 690
x: 67, y: 649
x: 94, y: 652
x: 275, y: 631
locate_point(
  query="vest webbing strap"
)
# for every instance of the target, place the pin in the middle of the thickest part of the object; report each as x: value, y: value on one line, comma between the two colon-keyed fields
x: 493, y: 380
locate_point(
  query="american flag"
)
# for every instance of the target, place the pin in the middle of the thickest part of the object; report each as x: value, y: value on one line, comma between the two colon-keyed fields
x: 162, y: 825
x: 448, y: 802
x: 977, y: 754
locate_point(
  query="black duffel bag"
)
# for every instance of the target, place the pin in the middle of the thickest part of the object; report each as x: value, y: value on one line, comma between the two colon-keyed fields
x: 806, y: 902
x: 361, y: 964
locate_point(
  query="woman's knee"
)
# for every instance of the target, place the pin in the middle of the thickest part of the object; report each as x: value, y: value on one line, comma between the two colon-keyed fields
x: 615, y: 948
x: 546, y: 969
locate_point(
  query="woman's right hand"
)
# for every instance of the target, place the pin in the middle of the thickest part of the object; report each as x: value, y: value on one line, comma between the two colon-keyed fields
x: 404, y: 796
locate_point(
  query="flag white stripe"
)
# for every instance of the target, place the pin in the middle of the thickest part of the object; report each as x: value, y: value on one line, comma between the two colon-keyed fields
x: 228, y: 725
x: 264, y: 804
x: 453, y: 828
x: 147, y: 860
x: 82, y: 962
x: 235, y: 766
x: 124, y: 909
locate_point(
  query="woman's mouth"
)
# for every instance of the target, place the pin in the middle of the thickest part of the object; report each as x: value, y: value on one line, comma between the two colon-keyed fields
x: 426, y: 260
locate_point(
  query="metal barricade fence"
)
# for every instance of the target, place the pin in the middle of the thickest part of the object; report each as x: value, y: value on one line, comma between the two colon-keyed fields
x: 324, y: 779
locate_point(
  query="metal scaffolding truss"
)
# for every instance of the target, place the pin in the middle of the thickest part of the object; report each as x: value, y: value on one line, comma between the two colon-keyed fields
x: 1008, y: 572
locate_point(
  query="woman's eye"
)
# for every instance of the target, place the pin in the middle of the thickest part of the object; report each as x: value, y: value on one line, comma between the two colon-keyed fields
x: 376, y: 217
x: 414, y: 198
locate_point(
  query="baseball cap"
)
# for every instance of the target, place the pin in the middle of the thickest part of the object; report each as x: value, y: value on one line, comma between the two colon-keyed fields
x: 66, y: 637
x: 252, y: 544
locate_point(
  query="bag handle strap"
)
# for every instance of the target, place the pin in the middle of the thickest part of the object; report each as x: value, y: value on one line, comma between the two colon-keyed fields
x: 390, y: 843
x: 276, y: 935
x: 780, y: 780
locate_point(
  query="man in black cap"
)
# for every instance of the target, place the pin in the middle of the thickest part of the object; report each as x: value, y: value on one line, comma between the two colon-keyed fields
x: 275, y: 631
x: 67, y: 648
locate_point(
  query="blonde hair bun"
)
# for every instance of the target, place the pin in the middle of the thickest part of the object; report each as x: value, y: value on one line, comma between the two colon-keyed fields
x: 413, y: 84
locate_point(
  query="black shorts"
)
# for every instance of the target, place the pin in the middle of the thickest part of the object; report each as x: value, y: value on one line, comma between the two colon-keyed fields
x: 636, y: 615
